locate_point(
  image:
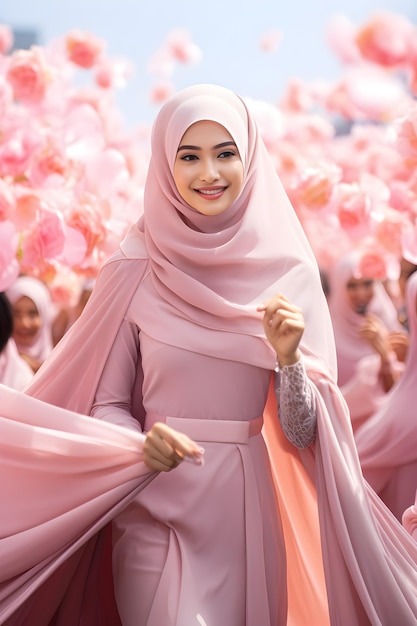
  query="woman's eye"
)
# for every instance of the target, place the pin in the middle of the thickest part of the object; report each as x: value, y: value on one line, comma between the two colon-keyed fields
x: 226, y: 154
x: 189, y: 157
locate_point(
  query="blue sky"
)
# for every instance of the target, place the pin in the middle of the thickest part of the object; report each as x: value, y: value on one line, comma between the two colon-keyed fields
x: 227, y: 31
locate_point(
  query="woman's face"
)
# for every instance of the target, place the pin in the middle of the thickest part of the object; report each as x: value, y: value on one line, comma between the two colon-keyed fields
x: 360, y: 292
x: 208, y: 171
x: 26, y: 321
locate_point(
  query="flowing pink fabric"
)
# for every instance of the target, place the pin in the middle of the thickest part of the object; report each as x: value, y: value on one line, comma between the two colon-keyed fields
x: 38, y: 292
x: 410, y: 519
x: 214, y: 279
x: 387, y: 442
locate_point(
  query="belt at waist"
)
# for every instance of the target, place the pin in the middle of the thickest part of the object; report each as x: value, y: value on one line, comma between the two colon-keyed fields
x: 217, y: 431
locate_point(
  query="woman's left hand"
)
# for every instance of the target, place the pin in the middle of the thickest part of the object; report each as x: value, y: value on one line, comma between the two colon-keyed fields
x: 284, y: 326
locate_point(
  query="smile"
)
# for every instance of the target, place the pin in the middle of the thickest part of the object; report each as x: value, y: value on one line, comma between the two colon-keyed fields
x: 212, y: 192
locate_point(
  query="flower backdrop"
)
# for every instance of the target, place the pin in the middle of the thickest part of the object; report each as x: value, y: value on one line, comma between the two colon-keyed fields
x: 72, y: 174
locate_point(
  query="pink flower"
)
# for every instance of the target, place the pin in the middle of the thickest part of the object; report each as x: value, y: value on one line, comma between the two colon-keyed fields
x: 375, y: 93
x: 88, y: 220
x: 111, y: 73
x: 385, y: 39
x: 161, y: 91
x: 340, y: 35
x: 269, y: 41
x: 315, y: 186
x: 9, y: 266
x: 6, y: 39
x: 7, y: 201
x: 353, y: 206
x: 407, y: 137
x: 182, y: 48
x: 45, y: 241
x: 28, y: 206
x: 50, y: 167
x: 16, y: 152
x: 83, y: 49
x: 389, y: 231
x: 373, y: 264
x: 29, y: 75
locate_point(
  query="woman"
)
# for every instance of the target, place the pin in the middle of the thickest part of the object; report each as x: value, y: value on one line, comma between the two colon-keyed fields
x: 218, y: 251
x: 363, y: 317
x: 387, y: 443
x: 32, y: 319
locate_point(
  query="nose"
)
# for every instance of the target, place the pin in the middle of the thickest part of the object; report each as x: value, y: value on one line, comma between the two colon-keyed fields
x: 209, y: 171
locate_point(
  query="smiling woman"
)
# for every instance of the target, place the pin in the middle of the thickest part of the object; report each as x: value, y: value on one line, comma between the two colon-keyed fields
x: 209, y: 176
x: 212, y: 341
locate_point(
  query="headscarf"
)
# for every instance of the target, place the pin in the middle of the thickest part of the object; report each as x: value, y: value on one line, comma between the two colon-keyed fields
x: 38, y: 292
x: 213, y: 271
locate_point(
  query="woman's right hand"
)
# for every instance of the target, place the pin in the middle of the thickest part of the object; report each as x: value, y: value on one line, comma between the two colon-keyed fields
x: 165, y: 448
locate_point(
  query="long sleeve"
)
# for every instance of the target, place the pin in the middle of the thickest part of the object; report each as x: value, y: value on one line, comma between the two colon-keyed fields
x: 113, y: 399
x: 296, y: 404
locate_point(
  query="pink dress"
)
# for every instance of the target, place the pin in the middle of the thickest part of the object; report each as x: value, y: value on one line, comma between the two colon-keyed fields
x: 227, y: 571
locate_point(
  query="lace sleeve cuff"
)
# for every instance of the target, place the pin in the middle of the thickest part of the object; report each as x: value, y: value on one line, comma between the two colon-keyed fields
x: 296, y: 405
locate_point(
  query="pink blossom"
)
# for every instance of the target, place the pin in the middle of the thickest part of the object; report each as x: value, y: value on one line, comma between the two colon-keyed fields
x: 45, y: 241
x: 46, y: 163
x: 409, y: 242
x: 7, y: 201
x: 6, y: 38
x: 29, y: 75
x: 113, y: 73
x: 181, y: 47
x: 407, y: 137
x: 389, y: 231
x: 373, y: 264
x: 340, y: 36
x: 107, y: 174
x: 75, y: 247
x: 87, y: 218
x: 83, y: 49
x: 270, y: 40
x: 315, y: 185
x: 28, y: 206
x: 297, y: 97
x: 161, y: 91
x: 16, y: 152
x: 385, y: 39
x: 377, y: 94
x: 353, y: 206
x: 9, y: 266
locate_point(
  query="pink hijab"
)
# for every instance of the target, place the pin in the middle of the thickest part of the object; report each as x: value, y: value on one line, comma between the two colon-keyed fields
x: 38, y: 292
x: 213, y: 271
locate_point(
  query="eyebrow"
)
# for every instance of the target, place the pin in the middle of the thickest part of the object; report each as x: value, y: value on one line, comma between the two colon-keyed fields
x: 216, y: 147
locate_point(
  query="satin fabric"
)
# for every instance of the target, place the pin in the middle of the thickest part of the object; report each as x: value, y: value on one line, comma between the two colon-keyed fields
x: 387, y: 442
